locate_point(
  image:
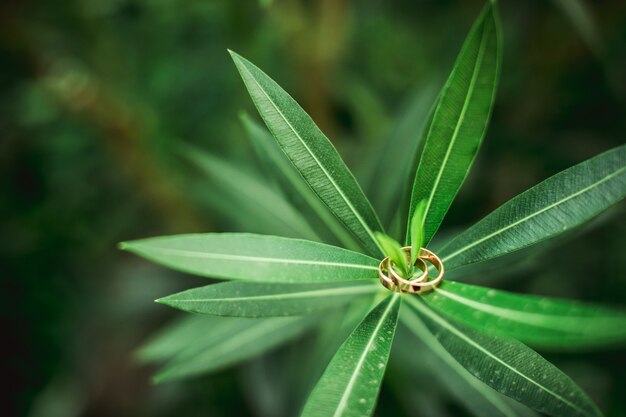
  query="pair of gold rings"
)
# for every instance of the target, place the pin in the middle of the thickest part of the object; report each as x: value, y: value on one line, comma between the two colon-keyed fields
x: 418, y: 285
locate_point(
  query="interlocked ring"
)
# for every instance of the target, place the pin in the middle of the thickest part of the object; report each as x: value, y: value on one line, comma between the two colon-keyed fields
x: 419, y: 285
x: 390, y: 278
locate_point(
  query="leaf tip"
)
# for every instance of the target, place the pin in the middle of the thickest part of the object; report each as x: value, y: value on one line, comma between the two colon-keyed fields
x: 123, y: 246
x: 234, y: 55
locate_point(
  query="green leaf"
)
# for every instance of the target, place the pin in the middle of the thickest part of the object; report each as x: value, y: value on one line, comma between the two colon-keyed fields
x: 180, y: 334
x: 249, y: 299
x: 293, y: 185
x: 221, y: 343
x: 477, y: 397
x: 350, y: 384
x: 259, y: 258
x: 331, y: 334
x: 509, y: 367
x: 312, y: 154
x: 582, y: 19
x: 459, y: 122
x: 554, y: 206
x: 539, y: 321
x: 417, y: 230
x: 396, y: 156
x: 246, y: 190
x: 394, y: 250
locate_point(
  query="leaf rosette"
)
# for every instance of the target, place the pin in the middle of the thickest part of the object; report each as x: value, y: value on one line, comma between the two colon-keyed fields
x: 473, y: 338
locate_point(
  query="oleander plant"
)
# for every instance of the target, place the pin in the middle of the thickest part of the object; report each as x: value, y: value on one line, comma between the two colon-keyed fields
x: 280, y: 288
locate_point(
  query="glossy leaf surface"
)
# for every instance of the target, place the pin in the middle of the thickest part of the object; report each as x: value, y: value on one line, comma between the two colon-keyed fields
x: 294, y: 186
x: 312, y: 154
x: 250, y: 299
x: 540, y: 321
x: 459, y: 122
x: 552, y: 207
x: 350, y: 384
x: 476, y: 396
x: 509, y: 367
x: 259, y: 258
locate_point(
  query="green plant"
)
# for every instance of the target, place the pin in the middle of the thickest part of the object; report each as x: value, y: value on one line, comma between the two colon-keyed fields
x: 475, y: 333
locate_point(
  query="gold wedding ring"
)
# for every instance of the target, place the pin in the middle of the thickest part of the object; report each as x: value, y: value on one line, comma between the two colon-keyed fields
x: 418, y: 285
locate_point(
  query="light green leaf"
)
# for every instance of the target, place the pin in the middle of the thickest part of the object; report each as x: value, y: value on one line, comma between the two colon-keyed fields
x: 249, y: 299
x: 225, y: 342
x: 539, y: 321
x: 350, y: 384
x: 459, y: 122
x: 423, y: 347
x: 312, y: 154
x: 417, y: 230
x: 246, y: 190
x: 509, y: 367
x: 394, y: 250
x: 259, y: 258
x: 180, y: 334
x: 293, y: 185
x: 554, y: 206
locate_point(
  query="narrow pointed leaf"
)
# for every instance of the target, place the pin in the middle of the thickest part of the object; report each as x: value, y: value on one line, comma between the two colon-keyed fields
x: 230, y: 341
x: 293, y: 185
x: 509, y: 367
x: 312, y: 154
x: 247, y: 191
x: 394, y: 250
x: 459, y: 122
x: 259, y: 258
x: 477, y: 397
x: 539, y: 321
x: 350, y: 384
x: 249, y: 299
x: 179, y: 335
x: 417, y: 230
x: 395, y: 159
x: 552, y: 207
x: 331, y: 334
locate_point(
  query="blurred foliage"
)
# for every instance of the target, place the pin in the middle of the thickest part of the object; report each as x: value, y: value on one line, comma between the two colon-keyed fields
x: 97, y: 95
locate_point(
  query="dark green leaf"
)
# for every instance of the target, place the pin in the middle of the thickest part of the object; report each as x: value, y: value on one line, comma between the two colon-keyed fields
x: 350, y: 384
x: 249, y: 299
x: 459, y: 122
x: 259, y: 258
x: 312, y: 154
x: 554, y: 206
x: 293, y: 185
x: 509, y: 367
x: 477, y: 397
x: 536, y: 320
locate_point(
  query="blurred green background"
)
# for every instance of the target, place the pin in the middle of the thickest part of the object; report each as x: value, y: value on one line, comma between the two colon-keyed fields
x: 96, y: 96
